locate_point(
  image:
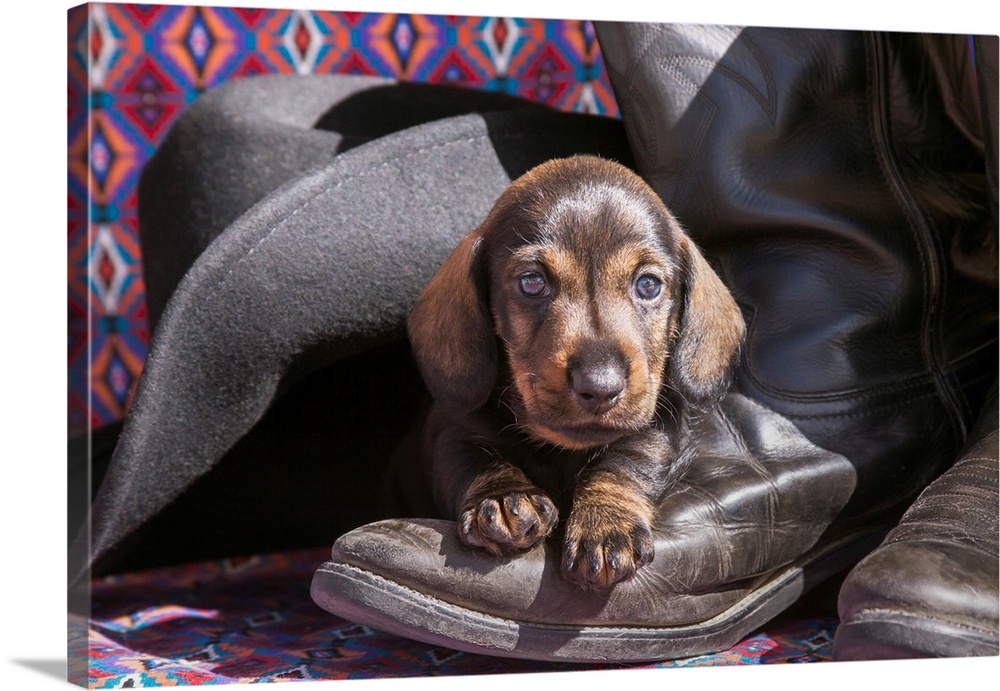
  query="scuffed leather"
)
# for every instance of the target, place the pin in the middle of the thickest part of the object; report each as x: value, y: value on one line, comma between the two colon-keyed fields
x: 837, y: 180
x: 755, y: 478
x: 936, y: 575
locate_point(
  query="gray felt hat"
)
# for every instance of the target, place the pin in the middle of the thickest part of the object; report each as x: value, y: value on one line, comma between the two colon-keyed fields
x: 288, y: 224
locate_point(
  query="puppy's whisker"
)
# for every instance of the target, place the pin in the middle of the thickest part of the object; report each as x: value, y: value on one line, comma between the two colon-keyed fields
x: 512, y: 427
x: 665, y: 404
x: 511, y: 410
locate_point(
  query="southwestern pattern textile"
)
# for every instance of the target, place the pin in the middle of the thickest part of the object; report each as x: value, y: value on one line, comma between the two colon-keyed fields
x: 251, y: 621
x: 138, y: 66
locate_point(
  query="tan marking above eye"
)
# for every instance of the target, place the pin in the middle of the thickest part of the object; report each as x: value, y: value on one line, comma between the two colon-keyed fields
x: 632, y: 261
x: 566, y: 269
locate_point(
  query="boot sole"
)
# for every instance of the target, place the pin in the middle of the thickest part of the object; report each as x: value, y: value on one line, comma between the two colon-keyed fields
x: 892, y: 635
x: 374, y: 601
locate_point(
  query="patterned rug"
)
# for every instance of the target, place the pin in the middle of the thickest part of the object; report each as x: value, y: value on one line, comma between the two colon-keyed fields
x: 252, y: 621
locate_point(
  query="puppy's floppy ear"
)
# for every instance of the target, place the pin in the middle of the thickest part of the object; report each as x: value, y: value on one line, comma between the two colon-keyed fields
x: 451, y: 330
x: 710, y: 333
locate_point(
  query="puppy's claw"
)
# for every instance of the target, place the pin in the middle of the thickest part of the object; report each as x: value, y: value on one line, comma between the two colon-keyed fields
x: 642, y: 541
x: 508, y: 523
x: 607, y: 553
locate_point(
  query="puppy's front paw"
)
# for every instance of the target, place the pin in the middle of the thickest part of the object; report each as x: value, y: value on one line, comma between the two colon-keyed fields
x: 508, y: 522
x: 604, y: 545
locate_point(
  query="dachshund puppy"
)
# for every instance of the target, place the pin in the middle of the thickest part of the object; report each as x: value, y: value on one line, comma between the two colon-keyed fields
x: 564, y: 341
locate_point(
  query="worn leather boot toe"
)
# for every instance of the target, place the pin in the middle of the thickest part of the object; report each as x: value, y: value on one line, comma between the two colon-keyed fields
x: 930, y: 590
x: 755, y: 477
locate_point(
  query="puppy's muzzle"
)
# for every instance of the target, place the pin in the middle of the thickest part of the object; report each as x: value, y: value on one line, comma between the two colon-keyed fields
x: 598, y: 377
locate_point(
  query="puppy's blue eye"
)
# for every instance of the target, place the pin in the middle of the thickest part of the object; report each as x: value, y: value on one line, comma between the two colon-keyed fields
x: 647, y: 286
x: 533, y: 284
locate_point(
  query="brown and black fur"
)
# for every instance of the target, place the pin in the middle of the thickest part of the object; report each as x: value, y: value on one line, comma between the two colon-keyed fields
x: 563, y: 341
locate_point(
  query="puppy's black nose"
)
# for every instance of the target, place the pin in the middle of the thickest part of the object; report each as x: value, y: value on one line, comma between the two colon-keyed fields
x: 598, y: 382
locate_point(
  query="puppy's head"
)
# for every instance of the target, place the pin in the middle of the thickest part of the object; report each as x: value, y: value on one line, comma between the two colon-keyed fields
x: 585, y: 288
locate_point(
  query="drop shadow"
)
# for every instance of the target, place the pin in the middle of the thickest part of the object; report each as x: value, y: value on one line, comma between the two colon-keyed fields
x: 56, y: 669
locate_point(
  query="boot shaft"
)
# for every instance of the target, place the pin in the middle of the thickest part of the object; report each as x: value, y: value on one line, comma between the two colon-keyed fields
x: 838, y: 181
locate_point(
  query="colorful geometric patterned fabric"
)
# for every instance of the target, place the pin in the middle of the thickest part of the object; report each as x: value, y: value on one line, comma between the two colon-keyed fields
x: 252, y: 620
x: 134, y: 68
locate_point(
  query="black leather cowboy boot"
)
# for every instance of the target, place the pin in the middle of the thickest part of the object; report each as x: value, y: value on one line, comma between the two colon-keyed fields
x: 847, y: 207
x: 837, y: 181
x: 930, y: 590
